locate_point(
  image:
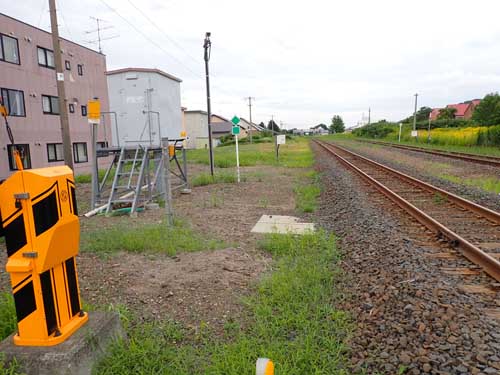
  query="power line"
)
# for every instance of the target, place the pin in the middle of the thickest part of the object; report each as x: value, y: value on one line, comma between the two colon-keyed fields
x: 176, y: 44
x: 66, y: 26
x: 44, y: 2
x: 150, y: 40
x: 163, y: 32
x: 186, y: 67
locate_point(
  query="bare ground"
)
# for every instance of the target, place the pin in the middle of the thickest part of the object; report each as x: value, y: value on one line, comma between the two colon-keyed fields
x: 197, y: 288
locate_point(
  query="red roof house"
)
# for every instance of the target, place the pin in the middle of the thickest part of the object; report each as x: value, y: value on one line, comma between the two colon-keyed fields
x: 464, y: 110
x: 434, y: 114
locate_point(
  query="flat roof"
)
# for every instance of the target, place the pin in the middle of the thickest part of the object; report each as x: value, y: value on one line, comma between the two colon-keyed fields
x: 196, y: 111
x: 48, y: 32
x: 143, y: 70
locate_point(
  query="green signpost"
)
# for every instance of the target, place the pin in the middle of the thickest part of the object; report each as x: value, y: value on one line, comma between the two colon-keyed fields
x: 236, y: 131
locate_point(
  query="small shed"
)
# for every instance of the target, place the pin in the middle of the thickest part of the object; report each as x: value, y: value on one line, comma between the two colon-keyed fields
x: 147, y: 103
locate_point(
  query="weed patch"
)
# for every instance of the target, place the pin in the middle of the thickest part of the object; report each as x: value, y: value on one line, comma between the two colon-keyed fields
x: 147, y: 238
x: 8, y: 320
x: 306, y: 195
x: 8, y: 324
x: 203, y: 179
x: 293, y: 320
x: 296, y: 153
x: 489, y: 184
x: 12, y: 368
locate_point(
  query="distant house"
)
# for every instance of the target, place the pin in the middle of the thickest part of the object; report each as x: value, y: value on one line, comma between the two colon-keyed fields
x: 475, y: 102
x: 463, y: 110
x: 319, y: 130
x: 221, y: 128
x: 435, y: 113
x: 296, y: 131
x: 217, y: 118
x: 247, y: 126
x: 196, y: 125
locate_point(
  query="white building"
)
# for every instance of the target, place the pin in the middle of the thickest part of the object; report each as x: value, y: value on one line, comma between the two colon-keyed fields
x: 147, y: 103
x: 196, y: 126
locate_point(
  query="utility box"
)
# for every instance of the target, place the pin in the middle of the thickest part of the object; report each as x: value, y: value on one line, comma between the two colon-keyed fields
x: 38, y: 216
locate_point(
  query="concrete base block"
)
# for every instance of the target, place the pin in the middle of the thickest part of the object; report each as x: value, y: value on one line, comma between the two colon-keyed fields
x: 75, y: 356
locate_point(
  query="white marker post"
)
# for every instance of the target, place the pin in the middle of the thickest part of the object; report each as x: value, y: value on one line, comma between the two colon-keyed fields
x: 280, y: 140
x: 400, y: 126
x: 235, y: 131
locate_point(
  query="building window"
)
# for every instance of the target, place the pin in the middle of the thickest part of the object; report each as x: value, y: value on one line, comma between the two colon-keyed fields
x: 80, y: 152
x: 71, y: 108
x: 102, y: 145
x: 46, y: 58
x: 50, y: 104
x: 24, y: 153
x: 67, y: 64
x: 13, y: 100
x: 80, y: 69
x: 55, y: 152
x: 9, y: 49
x: 84, y: 110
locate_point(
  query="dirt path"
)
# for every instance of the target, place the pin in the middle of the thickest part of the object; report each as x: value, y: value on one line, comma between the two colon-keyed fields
x: 197, y: 288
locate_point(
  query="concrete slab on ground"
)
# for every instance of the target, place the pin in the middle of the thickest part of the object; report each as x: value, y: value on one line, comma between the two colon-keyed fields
x: 282, y: 224
x: 75, y: 356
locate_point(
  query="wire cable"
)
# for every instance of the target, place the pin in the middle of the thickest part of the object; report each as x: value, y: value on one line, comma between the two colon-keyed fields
x: 150, y: 40
x: 163, y: 32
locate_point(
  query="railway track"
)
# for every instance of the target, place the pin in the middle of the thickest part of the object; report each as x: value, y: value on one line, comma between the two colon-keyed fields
x: 485, y: 160
x: 467, y: 226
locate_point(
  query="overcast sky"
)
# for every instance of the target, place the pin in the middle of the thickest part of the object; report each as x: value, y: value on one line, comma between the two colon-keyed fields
x: 303, y: 61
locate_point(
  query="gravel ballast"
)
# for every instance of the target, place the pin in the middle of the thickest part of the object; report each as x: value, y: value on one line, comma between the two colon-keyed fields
x: 410, y: 316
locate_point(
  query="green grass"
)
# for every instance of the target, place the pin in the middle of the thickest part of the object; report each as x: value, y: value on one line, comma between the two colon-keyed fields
x: 306, y: 194
x: 8, y: 324
x: 489, y: 184
x: 203, y: 179
x: 8, y: 320
x: 292, y: 320
x: 296, y: 153
x: 475, y: 150
x: 146, y: 238
x: 12, y: 368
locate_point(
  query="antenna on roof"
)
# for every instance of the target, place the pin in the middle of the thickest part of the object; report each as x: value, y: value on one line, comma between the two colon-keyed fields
x: 98, y: 31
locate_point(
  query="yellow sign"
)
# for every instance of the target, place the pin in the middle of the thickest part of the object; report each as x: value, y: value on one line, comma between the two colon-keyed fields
x: 183, y: 134
x: 94, y: 111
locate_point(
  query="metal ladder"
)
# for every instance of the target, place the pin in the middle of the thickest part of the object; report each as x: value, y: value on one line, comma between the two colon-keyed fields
x: 126, y: 189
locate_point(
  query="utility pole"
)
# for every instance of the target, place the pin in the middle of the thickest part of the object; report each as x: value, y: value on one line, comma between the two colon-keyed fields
x: 415, y: 116
x: 63, y: 108
x: 207, y: 45
x: 250, y: 109
x: 369, y: 115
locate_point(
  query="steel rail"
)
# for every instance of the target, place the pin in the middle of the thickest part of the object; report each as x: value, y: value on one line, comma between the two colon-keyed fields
x: 478, y: 159
x: 490, y: 265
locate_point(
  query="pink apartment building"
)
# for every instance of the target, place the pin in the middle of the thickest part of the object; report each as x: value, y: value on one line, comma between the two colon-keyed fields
x: 28, y: 89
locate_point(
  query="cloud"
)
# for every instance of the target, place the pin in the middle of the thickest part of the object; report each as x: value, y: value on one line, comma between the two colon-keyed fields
x: 303, y: 61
